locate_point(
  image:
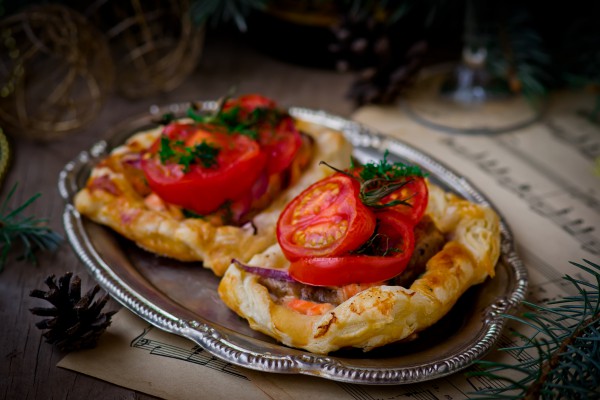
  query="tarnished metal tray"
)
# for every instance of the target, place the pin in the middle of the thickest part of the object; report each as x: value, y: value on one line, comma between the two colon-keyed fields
x: 182, y: 298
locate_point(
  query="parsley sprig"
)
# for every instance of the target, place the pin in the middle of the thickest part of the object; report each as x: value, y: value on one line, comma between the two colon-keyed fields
x: 378, y: 180
x: 387, y: 171
x: 176, y: 152
x: 234, y: 120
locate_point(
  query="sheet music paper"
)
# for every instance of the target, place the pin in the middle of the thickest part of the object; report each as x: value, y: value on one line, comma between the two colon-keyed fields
x: 542, y: 179
x: 134, y: 354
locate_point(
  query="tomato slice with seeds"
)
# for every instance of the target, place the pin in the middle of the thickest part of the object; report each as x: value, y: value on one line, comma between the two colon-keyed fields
x: 393, y: 245
x: 415, y: 193
x: 325, y: 219
x: 203, y: 189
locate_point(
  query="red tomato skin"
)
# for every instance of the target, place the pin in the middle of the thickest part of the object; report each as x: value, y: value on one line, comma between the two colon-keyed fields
x: 248, y: 103
x: 415, y: 192
x: 202, y: 190
x: 278, y: 147
x: 252, y: 101
x: 417, y: 195
x: 281, y: 144
x: 348, y: 269
x: 178, y: 130
x: 324, y: 206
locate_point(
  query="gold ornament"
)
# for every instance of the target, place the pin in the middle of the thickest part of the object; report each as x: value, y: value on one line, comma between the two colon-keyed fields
x: 55, y: 72
x: 5, y: 155
x: 155, y: 45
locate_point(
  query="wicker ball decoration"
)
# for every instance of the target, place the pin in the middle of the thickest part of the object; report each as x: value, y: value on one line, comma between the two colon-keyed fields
x: 155, y: 45
x: 55, y: 72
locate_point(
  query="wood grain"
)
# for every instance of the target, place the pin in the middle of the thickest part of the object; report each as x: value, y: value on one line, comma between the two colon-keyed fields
x: 28, y: 364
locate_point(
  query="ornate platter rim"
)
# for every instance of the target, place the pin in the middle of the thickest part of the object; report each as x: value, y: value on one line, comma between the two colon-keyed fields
x: 222, y: 342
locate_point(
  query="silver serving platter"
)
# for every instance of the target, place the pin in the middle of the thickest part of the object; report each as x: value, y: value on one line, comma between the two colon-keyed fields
x: 182, y: 298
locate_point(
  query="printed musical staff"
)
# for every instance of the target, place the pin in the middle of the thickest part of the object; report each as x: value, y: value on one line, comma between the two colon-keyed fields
x: 585, y: 139
x: 565, y: 185
x: 545, y: 276
x: 560, y: 202
x: 194, y: 354
x: 481, y: 382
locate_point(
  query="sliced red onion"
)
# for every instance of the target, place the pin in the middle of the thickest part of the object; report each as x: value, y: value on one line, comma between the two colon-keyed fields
x: 260, y: 186
x: 277, y: 274
x: 133, y: 160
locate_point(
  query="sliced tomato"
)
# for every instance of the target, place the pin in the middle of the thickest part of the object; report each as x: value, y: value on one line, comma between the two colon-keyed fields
x: 281, y: 143
x: 415, y: 193
x: 204, y: 189
x: 395, y: 233
x: 175, y: 131
x: 213, y: 136
x: 248, y: 103
x: 279, y: 138
x: 325, y: 219
x: 179, y: 131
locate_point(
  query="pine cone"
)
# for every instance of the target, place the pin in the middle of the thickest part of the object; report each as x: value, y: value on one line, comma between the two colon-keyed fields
x: 384, y: 83
x: 76, y: 322
x: 387, y: 57
x: 359, y: 39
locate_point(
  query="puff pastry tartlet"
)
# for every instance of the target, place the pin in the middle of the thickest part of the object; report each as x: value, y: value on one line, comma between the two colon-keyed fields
x: 456, y: 246
x: 118, y: 195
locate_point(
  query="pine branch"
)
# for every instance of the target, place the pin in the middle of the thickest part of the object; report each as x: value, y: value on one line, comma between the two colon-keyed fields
x: 222, y: 11
x: 568, y: 351
x: 518, y: 54
x: 31, y: 233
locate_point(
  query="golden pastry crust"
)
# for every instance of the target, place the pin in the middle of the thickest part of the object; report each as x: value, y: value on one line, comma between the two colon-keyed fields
x: 380, y: 314
x: 116, y: 203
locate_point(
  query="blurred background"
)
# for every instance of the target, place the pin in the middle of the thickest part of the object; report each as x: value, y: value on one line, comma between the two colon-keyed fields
x: 61, y: 60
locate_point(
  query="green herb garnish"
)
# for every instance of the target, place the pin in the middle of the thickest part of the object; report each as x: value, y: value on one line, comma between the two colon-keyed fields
x: 378, y: 180
x: 166, y: 152
x: 206, y: 154
x: 192, y: 214
x: 175, y: 151
x: 165, y: 119
x: 384, y: 170
x: 378, y: 245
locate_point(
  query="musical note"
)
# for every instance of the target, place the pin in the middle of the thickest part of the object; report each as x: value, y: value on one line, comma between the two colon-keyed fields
x: 195, y: 354
x: 584, y: 140
x: 565, y: 186
x: 542, y: 203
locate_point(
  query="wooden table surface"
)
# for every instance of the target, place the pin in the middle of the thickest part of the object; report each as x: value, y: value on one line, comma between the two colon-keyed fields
x: 27, y: 363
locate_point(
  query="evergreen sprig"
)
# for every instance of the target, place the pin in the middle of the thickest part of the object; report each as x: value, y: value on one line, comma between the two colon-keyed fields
x: 566, y: 340
x: 518, y: 53
x: 217, y: 12
x: 33, y: 234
